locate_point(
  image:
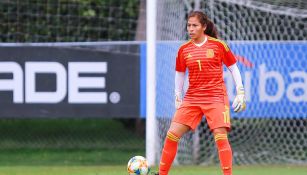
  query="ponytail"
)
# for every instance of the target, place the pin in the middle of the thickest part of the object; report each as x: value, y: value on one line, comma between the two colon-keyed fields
x: 205, y: 21
x: 211, y: 29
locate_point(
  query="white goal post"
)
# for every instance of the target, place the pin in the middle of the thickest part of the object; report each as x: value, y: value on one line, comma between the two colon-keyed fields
x: 150, y: 81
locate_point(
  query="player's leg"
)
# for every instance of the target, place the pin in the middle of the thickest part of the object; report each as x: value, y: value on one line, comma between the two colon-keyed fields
x: 218, y: 119
x: 185, y: 118
x: 224, y: 149
x: 169, y: 151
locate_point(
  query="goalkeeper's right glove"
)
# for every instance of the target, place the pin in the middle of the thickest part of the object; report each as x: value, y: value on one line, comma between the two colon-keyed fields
x: 239, y: 103
x: 178, y: 99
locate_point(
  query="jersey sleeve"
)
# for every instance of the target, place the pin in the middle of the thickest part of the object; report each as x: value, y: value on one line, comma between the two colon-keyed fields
x: 229, y: 58
x: 180, y: 62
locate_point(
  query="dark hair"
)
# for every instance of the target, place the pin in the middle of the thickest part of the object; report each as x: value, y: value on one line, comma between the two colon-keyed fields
x: 205, y: 21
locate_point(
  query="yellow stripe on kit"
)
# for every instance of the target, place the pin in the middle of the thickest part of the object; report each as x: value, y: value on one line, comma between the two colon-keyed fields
x: 220, y: 137
x: 220, y: 41
x: 172, y: 137
x: 226, y: 115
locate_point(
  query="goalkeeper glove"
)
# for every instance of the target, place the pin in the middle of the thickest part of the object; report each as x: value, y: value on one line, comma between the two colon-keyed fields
x: 178, y: 99
x: 239, y: 103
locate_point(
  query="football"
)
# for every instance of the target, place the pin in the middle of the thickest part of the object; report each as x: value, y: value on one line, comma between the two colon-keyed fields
x: 138, y: 165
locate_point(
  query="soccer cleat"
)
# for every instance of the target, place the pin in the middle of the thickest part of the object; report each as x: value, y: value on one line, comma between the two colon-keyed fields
x: 153, y: 173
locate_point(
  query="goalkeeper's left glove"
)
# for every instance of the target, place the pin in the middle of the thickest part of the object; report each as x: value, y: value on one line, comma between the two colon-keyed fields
x: 239, y: 103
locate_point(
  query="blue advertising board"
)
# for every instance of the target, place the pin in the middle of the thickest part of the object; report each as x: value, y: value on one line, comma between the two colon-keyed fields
x: 274, y: 74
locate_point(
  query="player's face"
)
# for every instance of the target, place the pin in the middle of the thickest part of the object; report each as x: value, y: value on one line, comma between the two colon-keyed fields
x: 195, y: 29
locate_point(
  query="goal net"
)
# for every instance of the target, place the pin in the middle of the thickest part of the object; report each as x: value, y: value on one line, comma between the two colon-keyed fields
x: 269, y: 39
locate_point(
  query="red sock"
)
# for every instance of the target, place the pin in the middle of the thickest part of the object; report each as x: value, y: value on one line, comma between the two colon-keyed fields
x: 168, y: 153
x: 225, y: 153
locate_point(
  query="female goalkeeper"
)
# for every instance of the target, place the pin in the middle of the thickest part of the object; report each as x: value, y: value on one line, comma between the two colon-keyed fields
x: 203, y: 56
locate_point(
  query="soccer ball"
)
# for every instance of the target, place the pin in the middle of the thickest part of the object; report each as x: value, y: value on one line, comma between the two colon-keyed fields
x: 138, y: 165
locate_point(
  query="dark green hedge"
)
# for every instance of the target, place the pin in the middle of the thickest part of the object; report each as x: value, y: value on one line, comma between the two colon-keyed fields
x: 68, y: 20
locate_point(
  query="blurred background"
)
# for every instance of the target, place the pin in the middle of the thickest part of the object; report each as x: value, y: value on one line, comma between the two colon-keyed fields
x: 73, y: 83
x: 63, y: 131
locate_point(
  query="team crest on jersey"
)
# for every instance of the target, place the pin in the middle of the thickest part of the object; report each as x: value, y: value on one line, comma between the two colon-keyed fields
x: 189, y: 56
x: 210, y: 53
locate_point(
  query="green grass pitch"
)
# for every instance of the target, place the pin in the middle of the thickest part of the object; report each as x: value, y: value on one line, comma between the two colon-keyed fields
x: 19, y: 154
x: 121, y: 170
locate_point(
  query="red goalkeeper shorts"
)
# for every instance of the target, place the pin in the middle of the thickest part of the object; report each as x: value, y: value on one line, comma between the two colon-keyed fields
x: 217, y: 114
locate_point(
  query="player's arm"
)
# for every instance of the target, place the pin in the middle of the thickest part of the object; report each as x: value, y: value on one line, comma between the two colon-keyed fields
x: 179, y: 81
x: 239, y: 103
x: 179, y: 78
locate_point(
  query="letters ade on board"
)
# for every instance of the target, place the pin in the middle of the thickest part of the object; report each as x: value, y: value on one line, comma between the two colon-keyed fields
x: 68, y: 82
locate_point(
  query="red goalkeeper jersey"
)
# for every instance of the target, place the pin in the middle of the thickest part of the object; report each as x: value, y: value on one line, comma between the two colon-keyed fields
x: 205, y: 67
